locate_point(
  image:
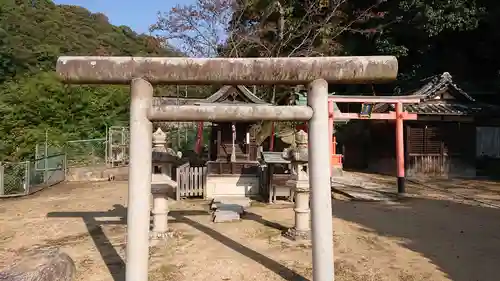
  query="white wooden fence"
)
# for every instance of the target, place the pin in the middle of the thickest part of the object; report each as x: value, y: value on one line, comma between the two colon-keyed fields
x: 191, y: 181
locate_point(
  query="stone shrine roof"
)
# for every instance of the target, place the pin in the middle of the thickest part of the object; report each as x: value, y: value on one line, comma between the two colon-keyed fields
x: 271, y: 157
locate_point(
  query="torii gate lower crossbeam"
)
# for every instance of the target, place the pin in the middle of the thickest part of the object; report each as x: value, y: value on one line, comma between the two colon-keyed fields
x: 399, y: 115
x: 141, y: 73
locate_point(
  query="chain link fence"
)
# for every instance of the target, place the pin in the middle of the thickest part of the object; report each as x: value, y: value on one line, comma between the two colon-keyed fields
x: 48, y: 149
x: 113, y: 150
x: 91, y: 152
x: 23, y: 178
x: 118, y: 140
x: 14, y: 177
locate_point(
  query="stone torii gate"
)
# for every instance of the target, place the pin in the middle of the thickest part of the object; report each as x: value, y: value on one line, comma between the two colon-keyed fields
x: 141, y: 73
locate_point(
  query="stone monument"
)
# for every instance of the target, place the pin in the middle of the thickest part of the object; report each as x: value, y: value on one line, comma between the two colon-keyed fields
x: 298, y: 155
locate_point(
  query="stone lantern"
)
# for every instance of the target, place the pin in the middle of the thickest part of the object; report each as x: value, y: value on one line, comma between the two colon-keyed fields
x: 298, y: 156
x: 161, y: 184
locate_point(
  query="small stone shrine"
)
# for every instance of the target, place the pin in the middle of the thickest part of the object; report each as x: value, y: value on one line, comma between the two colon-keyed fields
x: 233, y: 150
x: 298, y: 156
x: 161, y: 184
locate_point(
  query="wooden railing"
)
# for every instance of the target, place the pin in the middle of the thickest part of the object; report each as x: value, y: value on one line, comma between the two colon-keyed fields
x: 191, y: 181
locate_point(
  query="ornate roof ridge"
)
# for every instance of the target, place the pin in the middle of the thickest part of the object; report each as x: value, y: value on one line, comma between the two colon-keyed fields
x: 438, y: 84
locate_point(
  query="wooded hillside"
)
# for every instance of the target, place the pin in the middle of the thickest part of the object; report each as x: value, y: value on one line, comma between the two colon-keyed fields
x: 33, y: 33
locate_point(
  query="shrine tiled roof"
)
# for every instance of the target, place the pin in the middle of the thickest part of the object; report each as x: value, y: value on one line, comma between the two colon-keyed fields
x: 460, y: 104
x: 443, y: 108
x: 441, y: 84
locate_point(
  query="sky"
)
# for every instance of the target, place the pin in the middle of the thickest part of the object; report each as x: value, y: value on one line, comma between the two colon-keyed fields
x: 137, y: 14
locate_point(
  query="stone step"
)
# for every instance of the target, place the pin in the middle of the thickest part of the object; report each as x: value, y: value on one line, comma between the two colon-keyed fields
x: 227, y: 209
x: 230, y: 200
x: 225, y: 216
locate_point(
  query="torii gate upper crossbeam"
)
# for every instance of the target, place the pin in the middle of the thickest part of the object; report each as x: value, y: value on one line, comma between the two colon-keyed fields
x: 229, y: 71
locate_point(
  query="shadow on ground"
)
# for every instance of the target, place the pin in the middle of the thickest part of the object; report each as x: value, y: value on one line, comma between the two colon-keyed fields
x: 116, y: 265
x: 461, y: 240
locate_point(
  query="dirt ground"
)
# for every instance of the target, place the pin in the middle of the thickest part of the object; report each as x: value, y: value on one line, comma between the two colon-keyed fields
x: 430, y: 236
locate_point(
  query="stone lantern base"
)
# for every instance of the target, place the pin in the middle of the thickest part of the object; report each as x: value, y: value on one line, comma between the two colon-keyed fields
x: 159, y: 213
x: 157, y: 238
x: 160, y: 235
x: 297, y: 235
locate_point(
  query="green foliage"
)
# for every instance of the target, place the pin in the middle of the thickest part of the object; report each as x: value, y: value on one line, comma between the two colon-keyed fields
x: 29, y: 106
x: 32, y: 35
x: 35, y: 33
x: 428, y: 36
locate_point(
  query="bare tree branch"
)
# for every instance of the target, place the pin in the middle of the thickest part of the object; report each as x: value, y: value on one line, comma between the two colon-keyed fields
x: 198, y: 29
x: 316, y: 29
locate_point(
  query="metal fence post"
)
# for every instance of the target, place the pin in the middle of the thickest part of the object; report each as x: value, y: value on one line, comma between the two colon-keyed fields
x: 92, y: 155
x: 65, y: 166
x: 106, y: 146
x: 110, y: 144
x: 27, y: 178
x: 2, y: 189
x: 122, y: 144
x: 46, y: 160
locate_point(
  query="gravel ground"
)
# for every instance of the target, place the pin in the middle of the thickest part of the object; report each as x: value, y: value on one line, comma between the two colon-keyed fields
x: 430, y: 236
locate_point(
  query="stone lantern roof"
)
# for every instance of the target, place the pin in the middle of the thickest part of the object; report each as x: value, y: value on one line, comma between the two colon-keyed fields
x: 162, y: 154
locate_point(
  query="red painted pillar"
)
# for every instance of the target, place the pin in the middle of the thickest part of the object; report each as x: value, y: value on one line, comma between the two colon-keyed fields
x: 334, y: 144
x: 199, y: 138
x: 400, y: 160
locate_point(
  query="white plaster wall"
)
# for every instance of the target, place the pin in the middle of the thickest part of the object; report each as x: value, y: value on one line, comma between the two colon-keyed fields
x: 232, y: 186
